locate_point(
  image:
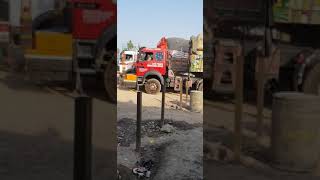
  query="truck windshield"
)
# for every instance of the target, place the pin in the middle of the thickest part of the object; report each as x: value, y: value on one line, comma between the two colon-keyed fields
x: 146, y: 56
x: 129, y: 57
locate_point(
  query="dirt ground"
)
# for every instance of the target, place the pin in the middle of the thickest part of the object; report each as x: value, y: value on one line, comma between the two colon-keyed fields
x: 176, y: 155
x: 36, y: 131
x: 218, y: 130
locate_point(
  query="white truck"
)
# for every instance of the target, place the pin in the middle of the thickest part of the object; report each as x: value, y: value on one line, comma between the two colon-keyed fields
x: 127, y: 60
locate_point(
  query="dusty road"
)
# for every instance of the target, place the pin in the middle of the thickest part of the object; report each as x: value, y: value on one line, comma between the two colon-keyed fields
x: 36, y: 132
x: 127, y: 100
x: 176, y: 155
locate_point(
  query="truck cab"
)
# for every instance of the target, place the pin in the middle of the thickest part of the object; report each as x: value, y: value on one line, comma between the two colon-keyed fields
x: 128, y: 58
x: 151, y: 68
x: 69, y: 39
x: 169, y: 64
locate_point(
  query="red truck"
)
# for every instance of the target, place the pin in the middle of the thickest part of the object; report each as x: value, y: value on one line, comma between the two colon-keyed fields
x: 162, y: 65
x: 91, y: 24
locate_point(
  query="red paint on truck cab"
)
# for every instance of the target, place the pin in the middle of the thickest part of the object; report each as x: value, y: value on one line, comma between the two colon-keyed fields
x: 157, y: 63
x: 151, y: 60
x: 91, y: 17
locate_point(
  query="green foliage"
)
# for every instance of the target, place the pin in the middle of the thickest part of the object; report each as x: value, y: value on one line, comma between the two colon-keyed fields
x: 130, y: 46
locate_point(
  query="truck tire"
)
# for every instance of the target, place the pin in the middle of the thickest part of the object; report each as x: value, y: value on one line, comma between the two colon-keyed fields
x: 311, y: 84
x: 152, y: 86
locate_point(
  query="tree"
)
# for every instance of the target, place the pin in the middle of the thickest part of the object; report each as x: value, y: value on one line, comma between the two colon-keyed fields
x: 130, y: 45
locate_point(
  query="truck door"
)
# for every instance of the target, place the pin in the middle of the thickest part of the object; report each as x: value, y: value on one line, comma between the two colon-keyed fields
x: 91, y: 17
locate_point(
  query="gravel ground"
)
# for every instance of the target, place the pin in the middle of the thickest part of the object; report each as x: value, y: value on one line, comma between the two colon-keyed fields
x: 176, y: 155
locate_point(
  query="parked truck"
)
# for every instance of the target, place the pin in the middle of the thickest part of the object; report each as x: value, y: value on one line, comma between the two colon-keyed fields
x: 294, y: 59
x: 70, y: 39
x: 127, y: 60
x: 174, y: 60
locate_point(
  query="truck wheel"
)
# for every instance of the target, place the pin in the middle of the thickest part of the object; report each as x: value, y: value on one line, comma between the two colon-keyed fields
x: 110, y: 82
x: 311, y: 84
x: 152, y: 86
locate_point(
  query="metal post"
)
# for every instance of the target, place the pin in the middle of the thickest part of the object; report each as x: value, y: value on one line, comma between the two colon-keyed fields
x: 187, y: 90
x: 261, y: 67
x: 82, y: 138
x: 181, y: 89
x: 139, y: 112
x: 238, y: 108
x: 163, y: 104
x: 260, y: 96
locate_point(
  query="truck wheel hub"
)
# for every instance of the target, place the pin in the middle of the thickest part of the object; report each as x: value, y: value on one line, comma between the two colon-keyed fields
x: 153, y: 86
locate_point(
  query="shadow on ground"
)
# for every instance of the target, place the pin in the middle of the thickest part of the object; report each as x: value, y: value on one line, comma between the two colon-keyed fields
x: 46, y: 156
x: 19, y: 81
x: 233, y: 171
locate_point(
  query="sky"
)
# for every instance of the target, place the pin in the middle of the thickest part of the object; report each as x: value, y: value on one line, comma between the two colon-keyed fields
x: 146, y: 21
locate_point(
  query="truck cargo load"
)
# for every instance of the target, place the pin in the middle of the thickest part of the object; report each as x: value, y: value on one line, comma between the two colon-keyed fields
x: 184, y: 54
x: 244, y: 11
x: 196, y: 57
x: 297, y: 11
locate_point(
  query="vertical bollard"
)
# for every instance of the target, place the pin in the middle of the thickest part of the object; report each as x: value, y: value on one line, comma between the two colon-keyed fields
x: 82, y: 138
x: 260, y: 96
x: 163, y: 104
x: 238, y: 108
x: 181, y: 89
x: 139, y: 112
x: 187, y: 91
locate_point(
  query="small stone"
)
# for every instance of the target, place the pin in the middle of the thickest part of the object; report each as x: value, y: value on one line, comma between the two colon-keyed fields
x: 167, y: 128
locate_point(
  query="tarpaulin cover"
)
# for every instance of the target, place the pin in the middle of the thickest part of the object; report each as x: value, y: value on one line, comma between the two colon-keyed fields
x: 178, y: 44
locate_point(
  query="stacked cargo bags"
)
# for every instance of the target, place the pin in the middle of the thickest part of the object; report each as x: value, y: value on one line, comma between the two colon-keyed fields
x: 196, y: 58
x: 182, y: 52
x: 178, y: 49
x: 179, y: 61
x: 178, y: 54
x: 297, y: 11
x: 178, y: 44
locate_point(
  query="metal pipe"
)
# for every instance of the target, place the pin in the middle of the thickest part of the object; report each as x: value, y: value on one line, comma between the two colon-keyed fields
x: 181, y: 89
x: 260, y: 96
x: 163, y: 103
x: 238, y: 109
x: 83, y: 138
x: 139, y: 113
